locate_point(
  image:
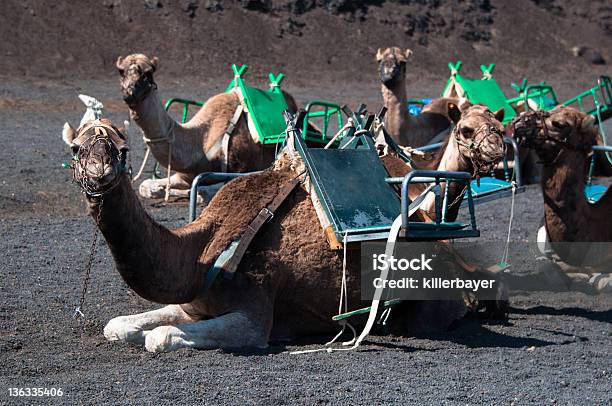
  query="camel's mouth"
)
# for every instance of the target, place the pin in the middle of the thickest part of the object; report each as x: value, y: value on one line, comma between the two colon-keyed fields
x: 100, y: 157
x: 97, y: 166
x: 390, y: 72
x: 136, y: 86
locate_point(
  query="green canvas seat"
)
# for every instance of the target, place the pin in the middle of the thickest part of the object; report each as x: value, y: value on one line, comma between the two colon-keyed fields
x: 484, y: 91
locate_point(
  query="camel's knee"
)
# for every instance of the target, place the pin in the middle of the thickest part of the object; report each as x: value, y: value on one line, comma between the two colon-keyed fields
x: 121, y: 329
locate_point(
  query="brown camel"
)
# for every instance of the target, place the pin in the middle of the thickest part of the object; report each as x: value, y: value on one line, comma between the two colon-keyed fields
x: 476, y: 146
x: 286, y: 285
x: 195, y: 145
x: 405, y: 129
x: 579, y: 231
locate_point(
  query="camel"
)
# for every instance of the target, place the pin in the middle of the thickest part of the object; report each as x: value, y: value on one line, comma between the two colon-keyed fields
x: 475, y: 147
x: 287, y: 284
x: 193, y: 147
x: 405, y: 129
x: 579, y: 231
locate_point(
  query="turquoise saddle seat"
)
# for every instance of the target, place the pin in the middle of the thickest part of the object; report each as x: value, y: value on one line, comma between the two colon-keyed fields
x: 594, y: 192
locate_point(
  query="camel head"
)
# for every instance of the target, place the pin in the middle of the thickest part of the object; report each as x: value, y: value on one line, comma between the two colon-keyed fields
x: 136, y: 72
x: 392, y: 65
x: 99, y: 152
x: 479, y: 134
x: 551, y: 133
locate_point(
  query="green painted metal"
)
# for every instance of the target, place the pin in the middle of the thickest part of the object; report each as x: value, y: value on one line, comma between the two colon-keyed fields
x: 365, y: 310
x: 326, y: 111
x: 350, y: 184
x: 185, y: 103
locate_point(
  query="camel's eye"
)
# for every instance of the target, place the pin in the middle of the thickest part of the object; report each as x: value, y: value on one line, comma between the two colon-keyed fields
x: 467, y: 131
x: 560, y: 125
x: 75, y: 149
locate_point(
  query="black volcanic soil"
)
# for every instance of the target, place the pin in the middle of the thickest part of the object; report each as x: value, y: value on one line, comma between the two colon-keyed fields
x: 311, y: 40
x: 555, y: 347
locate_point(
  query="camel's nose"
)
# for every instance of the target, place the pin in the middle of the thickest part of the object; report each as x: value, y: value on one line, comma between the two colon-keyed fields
x: 388, y: 72
x: 98, y: 170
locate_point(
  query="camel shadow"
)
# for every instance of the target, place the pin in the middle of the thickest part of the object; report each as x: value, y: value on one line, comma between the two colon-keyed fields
x: 469, y: 332
x: 595, y: 315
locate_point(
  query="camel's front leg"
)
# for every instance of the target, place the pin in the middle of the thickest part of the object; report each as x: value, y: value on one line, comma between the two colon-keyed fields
x: 134, y: 328
x: 232, y: 330
x: 156, y: 188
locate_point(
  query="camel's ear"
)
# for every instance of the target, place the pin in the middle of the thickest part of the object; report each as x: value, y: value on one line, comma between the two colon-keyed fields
x: 588, y: 123
x: 68, y: 134
x: 379, y: 54
x: 119, y: 64
x: 154, y: 62
x: 464, y: 104
x: 408, y: 53
x: 499, y: 114
x: 454, y: 113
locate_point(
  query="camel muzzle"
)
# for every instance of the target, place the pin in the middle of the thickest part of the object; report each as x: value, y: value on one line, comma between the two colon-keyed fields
x: 389, y: 73
x: 99, y: 161
x: 138, y: 90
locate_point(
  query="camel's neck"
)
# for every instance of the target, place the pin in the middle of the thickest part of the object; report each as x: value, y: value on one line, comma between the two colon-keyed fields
x: 397, y: 119
x: 158, y: 264
x: 451, y: 160
x: 568, y: 214
x: 185, y: 155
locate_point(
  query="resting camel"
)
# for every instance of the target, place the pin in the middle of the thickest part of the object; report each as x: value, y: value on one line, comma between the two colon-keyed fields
x: 405, y: 129
x: 475, y: 146
x: 286, y: 285
x: 195, y: 145
x: 580, y: 232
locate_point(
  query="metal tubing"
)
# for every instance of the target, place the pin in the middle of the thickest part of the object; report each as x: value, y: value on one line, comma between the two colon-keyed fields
x: 425, y: 174
x: 208, y: 178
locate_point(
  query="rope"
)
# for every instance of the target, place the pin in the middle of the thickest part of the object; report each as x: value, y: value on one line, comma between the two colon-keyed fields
x: 343, y: 301
x: 507, y: 248
x: 169, y: 172
x: 142, y: 166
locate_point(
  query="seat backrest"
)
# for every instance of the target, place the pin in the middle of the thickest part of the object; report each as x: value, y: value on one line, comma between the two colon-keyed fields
x: 484, y: 91
x: 266, y: 109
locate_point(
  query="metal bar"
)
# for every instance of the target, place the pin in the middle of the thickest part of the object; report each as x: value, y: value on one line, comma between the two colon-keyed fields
x: 430, y: 147
x: 208, y: 178
x: 424, y: 174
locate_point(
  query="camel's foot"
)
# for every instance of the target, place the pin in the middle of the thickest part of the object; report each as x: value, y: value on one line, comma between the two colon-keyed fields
x: 602, y: 282
x: 232, y: 330
x: 122, y: 329
x: 134, y: 328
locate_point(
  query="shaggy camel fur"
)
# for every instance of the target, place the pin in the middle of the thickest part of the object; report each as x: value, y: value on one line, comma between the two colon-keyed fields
x: 480, y: 128
x: 195, y: 145
x: 405, y: 129
x: 580, y: 232
x: 287, y: 284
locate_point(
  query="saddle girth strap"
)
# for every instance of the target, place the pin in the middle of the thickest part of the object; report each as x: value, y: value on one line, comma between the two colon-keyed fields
x: 265, y: 215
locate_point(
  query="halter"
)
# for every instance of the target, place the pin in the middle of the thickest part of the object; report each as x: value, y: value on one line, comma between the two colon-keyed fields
x: 526, y: 133
x: 142, y: 87
x: 474, y: 147
x: 105, y: 134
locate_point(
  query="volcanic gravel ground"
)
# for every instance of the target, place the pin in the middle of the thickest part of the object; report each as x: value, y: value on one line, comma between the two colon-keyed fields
x: 555, y: 347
